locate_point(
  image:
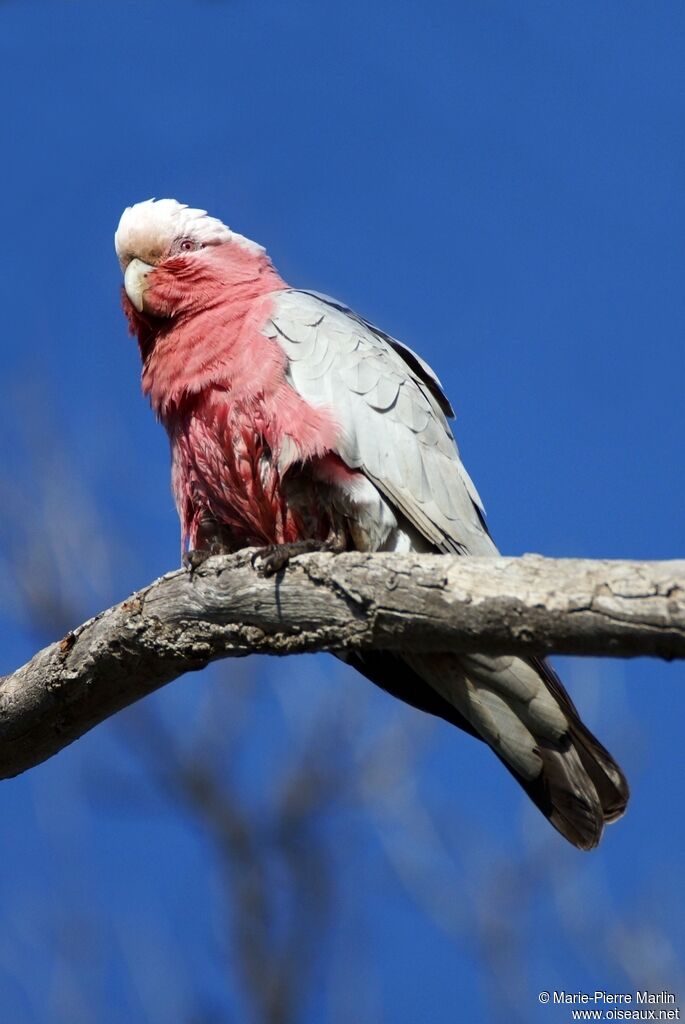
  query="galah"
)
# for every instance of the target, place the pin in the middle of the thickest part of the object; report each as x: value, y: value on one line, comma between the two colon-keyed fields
x: 292, y: 419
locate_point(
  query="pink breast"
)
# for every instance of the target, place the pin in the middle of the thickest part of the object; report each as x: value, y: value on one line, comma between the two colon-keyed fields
x: 235, y: 449
x: 238, y: 429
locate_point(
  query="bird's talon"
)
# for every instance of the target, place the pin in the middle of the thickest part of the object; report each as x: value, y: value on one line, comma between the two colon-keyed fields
x: 192, y: 560
x: 276, y: 557
x: 196, y: 557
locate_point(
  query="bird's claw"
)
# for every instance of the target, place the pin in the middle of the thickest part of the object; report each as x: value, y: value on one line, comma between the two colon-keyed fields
x: 196, y: 557
x: 274, y: 558
x: 192, y: 560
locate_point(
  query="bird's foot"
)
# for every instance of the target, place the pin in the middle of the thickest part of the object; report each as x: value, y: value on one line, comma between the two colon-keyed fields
x: 274, y: 558
x: 193, y: 559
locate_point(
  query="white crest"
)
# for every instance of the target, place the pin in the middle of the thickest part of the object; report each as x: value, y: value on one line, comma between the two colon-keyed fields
x: 151, y: 226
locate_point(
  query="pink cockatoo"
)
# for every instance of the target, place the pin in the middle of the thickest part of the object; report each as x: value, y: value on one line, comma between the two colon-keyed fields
x: 291, y: 419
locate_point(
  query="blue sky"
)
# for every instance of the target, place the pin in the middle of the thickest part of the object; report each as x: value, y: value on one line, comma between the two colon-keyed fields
x: 500, y: 185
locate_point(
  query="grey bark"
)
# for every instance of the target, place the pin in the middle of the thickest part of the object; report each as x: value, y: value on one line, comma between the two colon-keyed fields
x: 226, y: 608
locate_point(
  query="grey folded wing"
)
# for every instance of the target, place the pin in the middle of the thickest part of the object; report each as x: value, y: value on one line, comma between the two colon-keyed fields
x: 391, y: 411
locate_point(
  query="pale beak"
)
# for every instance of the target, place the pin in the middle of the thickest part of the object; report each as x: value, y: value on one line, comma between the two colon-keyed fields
x: 135, y: 282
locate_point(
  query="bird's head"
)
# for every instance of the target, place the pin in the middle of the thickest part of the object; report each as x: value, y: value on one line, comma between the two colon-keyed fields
x: 175, y: 258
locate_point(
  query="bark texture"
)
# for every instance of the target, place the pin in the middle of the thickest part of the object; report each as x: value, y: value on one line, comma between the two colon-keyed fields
x: 227, y: 608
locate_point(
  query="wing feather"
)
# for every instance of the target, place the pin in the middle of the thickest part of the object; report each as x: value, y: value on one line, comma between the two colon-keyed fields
x: 391, y: 413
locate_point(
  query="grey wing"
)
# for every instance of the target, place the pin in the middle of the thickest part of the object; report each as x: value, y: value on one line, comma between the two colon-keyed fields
x: 416, y: 364
x: 391, y: 412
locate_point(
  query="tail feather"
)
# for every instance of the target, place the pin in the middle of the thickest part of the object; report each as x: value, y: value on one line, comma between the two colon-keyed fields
x: 609, y: 781
x: 521, y: 709
x: 567, y: 796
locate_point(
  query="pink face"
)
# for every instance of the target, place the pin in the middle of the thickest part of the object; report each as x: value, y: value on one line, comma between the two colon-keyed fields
x: 181, y: 282
x: 163, y: 249
x: 179, y: 262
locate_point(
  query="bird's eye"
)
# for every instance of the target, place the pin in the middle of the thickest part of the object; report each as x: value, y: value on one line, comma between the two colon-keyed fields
x: 187, y: 245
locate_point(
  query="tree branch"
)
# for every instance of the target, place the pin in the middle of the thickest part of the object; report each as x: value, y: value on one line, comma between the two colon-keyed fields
x: 183, y: 621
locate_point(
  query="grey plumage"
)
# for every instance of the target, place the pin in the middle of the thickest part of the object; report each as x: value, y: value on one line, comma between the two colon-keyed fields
x: 392, y: 414
x: 393, y: 426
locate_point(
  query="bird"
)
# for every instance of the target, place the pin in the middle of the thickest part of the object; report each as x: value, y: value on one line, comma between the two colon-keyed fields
x: 294, y: 421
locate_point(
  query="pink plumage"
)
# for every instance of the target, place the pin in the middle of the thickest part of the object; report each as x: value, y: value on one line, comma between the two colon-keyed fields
x: 219, y: 386
x: 291, y: 418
